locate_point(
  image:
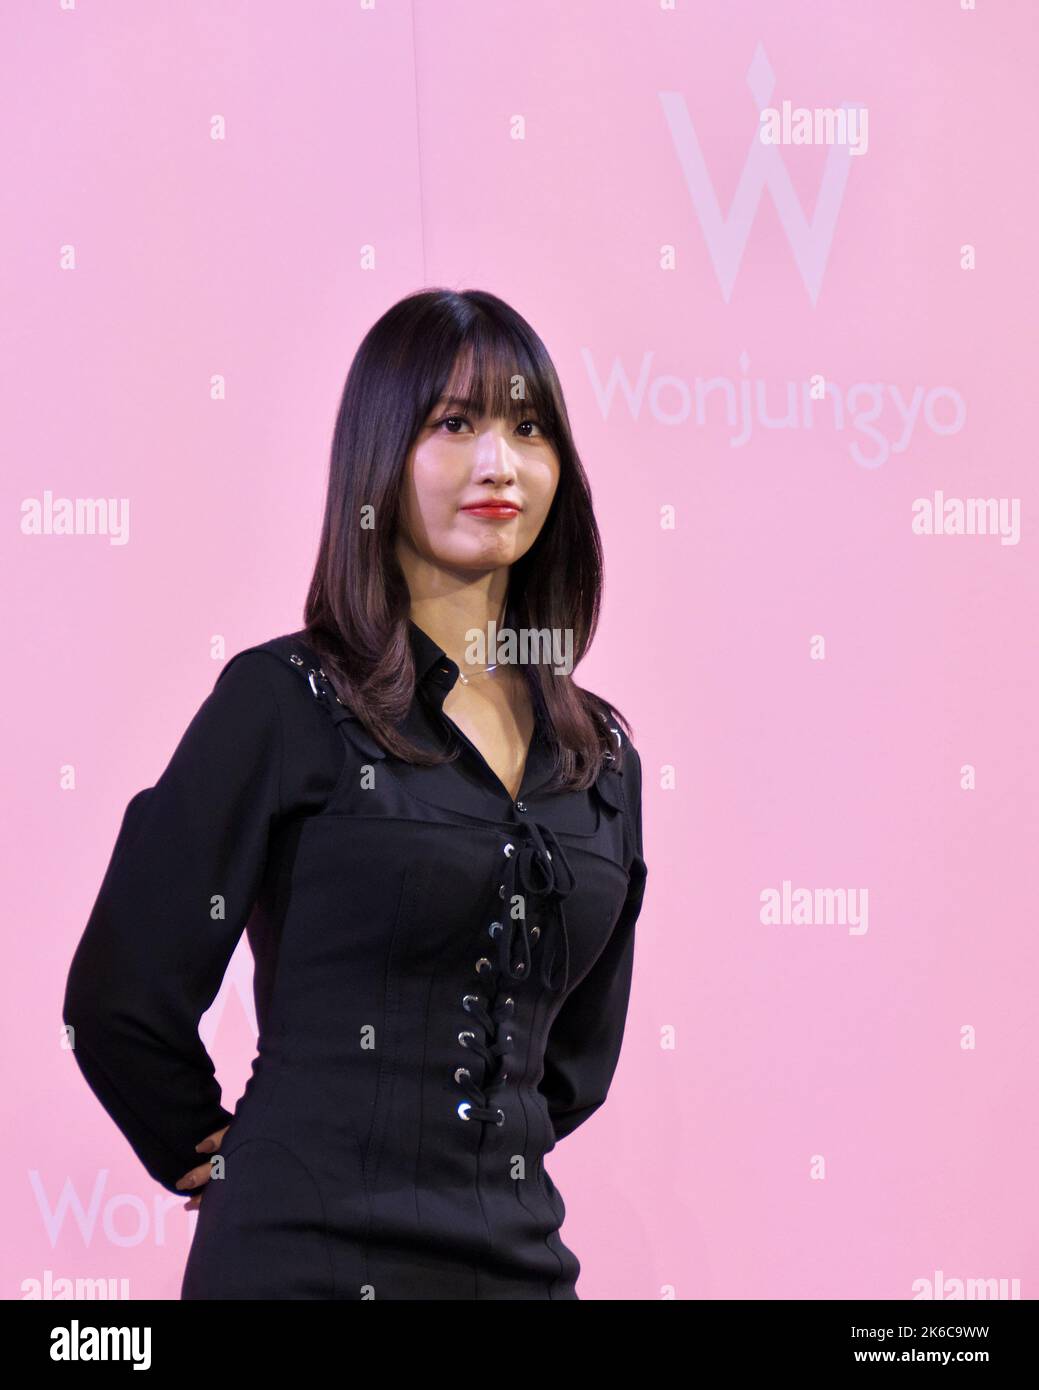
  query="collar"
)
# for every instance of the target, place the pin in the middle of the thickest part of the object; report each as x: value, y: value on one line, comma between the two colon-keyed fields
x: 432, y: 664
x: 435, y: 670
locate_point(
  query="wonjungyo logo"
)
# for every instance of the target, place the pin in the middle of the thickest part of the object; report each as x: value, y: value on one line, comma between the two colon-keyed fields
x: 727, y: 236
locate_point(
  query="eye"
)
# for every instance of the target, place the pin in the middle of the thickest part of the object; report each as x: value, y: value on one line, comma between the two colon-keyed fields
x: 448, y: 419
x: 464, y: 420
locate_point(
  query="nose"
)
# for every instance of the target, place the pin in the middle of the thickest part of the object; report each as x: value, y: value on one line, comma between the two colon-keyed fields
x: 495, y: 457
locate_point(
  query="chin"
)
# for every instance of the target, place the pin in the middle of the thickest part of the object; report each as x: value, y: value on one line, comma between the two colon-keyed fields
x: 468, y: 558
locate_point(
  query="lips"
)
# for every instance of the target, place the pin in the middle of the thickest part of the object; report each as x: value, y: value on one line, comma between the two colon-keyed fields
x: 493, y: 509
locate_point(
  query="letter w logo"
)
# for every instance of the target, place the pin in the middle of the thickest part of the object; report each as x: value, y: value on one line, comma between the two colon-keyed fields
x: 727, y: 237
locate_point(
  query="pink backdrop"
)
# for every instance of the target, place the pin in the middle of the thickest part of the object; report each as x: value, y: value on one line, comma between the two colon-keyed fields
x: 819, y: 694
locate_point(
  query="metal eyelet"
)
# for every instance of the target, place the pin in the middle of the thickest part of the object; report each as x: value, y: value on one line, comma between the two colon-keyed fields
x: 519, y: 967
x: 296, y: 660
x: 494, y: 929
x: 534, y: 933
x: 501, y: 891
x: 509, y: 851
x: 464, y: 1037
x: 481, y: 962
x: 463, y: 1109
x: 500, y: 1122
x: 460, y: 1072
x: 465, y: 1001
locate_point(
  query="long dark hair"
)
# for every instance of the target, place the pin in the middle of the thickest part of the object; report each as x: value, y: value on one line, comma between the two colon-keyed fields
x: 358, y: 605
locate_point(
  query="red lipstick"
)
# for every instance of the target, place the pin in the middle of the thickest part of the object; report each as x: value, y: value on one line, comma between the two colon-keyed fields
x: 496, y: 511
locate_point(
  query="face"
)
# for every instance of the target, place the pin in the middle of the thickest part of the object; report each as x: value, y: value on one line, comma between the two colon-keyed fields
x: 457, y: 470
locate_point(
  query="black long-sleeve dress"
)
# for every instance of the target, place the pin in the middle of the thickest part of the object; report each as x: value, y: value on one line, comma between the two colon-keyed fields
x: 441, y: 979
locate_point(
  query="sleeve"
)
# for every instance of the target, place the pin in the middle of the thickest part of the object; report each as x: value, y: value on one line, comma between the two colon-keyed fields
x: 584, y: 1041
x: 183, y: 877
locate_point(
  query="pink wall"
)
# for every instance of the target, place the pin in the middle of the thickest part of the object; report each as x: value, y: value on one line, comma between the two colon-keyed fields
x: 391, y: 127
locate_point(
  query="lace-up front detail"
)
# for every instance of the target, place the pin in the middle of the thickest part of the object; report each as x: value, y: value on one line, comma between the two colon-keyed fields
x: 526, y: 933
x: 536, y: 879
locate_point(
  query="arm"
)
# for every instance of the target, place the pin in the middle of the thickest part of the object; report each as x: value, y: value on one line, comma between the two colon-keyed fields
x: 584, y: 1041
x: 178, y: 891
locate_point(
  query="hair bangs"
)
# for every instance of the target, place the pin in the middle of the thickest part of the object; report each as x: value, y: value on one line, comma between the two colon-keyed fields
x: 496, y: 374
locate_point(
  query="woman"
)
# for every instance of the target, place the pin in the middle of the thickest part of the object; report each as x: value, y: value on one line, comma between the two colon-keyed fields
x: 438, y: 862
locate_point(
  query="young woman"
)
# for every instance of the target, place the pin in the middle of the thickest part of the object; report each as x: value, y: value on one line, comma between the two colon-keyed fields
x: 438, y: 862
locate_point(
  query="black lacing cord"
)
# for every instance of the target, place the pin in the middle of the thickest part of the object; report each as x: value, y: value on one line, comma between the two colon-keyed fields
x: 542, y: 869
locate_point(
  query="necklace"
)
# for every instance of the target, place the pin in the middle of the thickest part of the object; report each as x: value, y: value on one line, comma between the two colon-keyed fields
x: 477, y: 673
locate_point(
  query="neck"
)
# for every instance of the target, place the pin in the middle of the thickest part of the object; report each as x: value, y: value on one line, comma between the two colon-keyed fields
x: 448, y: 617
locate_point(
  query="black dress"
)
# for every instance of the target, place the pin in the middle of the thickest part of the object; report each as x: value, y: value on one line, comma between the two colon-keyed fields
x: 441, y: 983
